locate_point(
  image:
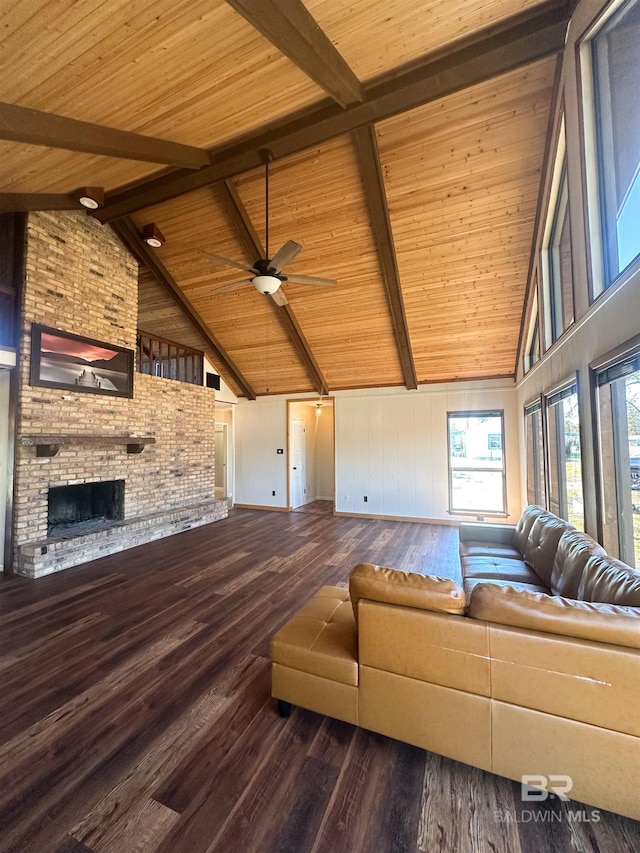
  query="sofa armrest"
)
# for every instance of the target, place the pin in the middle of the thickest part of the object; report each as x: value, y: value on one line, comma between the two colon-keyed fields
x: 494, y: 534
x: 553, y: 614
x: 393, y: 586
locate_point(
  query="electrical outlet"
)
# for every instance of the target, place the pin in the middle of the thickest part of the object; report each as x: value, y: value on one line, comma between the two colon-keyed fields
x: 366, y: 498
x: 273, y: 493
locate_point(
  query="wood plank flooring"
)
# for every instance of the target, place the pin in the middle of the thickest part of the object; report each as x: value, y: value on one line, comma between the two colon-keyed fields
x: 135, y: 710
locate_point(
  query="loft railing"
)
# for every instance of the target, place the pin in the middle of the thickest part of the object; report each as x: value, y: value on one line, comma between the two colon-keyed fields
x: 158, y: 356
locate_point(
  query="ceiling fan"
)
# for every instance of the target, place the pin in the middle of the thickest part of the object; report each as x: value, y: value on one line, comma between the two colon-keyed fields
x: 266, y: 273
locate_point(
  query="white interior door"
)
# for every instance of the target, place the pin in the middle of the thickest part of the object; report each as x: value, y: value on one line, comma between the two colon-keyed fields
x: 221, y: 460
x: 297, y: 479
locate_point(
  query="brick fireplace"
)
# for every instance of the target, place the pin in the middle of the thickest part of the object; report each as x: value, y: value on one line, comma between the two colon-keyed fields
x: 159, y: 445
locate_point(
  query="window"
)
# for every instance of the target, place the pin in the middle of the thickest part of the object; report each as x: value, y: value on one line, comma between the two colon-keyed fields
x: 532, y: 347
x: 557, y: 272
x: 611, y: 63
x: 536, y: 489
x: 565, y: 464
x: 618, y: 395
x: 476, y: 462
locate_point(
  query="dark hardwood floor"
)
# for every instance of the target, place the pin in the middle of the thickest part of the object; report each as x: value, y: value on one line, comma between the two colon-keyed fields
x: 135, y: 711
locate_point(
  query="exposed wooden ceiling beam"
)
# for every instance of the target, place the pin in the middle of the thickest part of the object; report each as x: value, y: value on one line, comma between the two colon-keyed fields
x: 128, y: 233
x: 290, y: 27
x: 373, y: 183
x: 289, y: 322
x: 24, y: 202
x: 254, y: 249
x: 523, y: 39
x: 33, y: 127
x: 238, y: 214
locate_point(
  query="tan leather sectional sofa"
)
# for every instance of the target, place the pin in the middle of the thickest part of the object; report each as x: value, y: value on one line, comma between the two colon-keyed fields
x: 532, y: 667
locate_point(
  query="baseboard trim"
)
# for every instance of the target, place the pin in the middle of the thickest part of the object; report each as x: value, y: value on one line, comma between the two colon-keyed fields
x: 257, y: 506
x: 450, y: 522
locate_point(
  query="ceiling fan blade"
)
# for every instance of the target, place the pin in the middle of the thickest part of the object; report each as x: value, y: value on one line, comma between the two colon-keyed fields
x: 312, y: 279
x: 284, y: 255
x: 234, y: 285
x: 279, y: 298
x: 231, y: 263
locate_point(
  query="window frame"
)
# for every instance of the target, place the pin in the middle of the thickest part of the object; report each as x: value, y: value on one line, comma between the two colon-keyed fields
x: 538, y: 462
x: 551, y: 399
x: 479, y: 413
x: 604, y: 372
x: 558, y: 208
x: 603, y: 274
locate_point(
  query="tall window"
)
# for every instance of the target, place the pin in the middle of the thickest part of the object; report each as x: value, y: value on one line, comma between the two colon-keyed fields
x: 556, y: 252
x: 532, y: 350
x: 476, y: 462
x: 612, y: 58
x: 536, y: 490
x: 565, y: 464
x: 619, y: 432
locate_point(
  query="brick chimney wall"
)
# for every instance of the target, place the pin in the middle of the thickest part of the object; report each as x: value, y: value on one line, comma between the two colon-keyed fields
x: 80, y: 279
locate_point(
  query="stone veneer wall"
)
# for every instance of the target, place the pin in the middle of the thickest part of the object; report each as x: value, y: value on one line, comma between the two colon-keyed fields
x: 80, y: 279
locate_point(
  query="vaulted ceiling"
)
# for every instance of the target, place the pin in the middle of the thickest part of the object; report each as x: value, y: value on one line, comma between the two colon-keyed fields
x: 407, y: 140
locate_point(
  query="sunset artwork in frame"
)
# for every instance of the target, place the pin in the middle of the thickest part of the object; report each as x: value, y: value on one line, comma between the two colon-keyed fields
x: 72, y: 362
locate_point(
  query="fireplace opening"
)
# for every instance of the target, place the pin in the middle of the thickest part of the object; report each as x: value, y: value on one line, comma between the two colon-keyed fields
x: 84, y: 506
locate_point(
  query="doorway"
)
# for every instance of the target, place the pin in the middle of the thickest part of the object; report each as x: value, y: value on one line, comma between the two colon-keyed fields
x: 298, y: 463
x: 311, y: 449
x: 221, y: 467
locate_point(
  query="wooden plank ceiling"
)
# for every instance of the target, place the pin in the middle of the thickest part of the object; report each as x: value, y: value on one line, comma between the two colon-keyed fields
x: 408, y: 144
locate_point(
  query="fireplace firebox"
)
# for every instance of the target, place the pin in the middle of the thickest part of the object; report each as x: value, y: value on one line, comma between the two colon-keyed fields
x: 84, y: 506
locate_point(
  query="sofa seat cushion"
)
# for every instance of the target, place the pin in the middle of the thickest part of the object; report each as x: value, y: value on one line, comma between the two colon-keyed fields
x: 493, y: 568
x: 554, y: 614
x: 471, y: 583
x: 393, y: 586
x: 321, y: 639
x: 488, y: 549
x: 609, y: 580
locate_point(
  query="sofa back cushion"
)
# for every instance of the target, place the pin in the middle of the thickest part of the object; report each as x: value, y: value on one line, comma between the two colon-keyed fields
x: 574, y: 549
x: 542, y: 544
x: 393, y: 586
x: 524, y: 525
x: 609, y: 580
x: 554, y: 614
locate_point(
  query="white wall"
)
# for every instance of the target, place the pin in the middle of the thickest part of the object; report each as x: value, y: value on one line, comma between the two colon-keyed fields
x: 325, y: 460
x: 260, y: 429
x: 390, y: 445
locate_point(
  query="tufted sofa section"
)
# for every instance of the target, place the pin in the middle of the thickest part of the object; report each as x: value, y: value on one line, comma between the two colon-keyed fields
x: 530, y: 666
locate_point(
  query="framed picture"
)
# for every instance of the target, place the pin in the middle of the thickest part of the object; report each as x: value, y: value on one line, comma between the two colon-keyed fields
x: 72, y: 362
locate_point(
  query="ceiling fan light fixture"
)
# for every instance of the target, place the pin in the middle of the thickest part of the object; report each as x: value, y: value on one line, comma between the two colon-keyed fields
x: 153, y: 236
x: 267, y: 284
